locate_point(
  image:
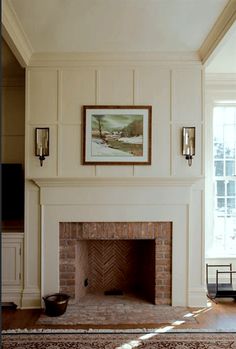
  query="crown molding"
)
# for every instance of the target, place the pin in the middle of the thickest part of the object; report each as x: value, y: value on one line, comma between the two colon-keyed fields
x: 116, y: 182
x: 19, y: 43
x: 220, y: 78
x: 226, y: 83
x: 218, y: 31
x: 14, y: 34
x: 85, y: 58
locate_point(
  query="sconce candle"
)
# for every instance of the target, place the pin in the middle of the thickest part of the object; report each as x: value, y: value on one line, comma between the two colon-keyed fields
x: 188, y: 143
x: 42, y: 143
x: 40, y: 150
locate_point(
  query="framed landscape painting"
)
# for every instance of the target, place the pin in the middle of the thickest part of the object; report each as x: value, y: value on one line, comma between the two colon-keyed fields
x: 117, y: 135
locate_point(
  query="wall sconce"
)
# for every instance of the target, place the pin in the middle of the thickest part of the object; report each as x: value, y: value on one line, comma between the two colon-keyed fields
x: 42, y: 143
x: 188, y: 143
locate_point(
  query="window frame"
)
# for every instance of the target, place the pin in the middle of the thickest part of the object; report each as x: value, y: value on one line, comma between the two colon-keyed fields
x: 214, y: 99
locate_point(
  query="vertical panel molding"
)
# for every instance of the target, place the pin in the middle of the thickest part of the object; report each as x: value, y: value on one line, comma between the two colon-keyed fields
x: 97, y: 86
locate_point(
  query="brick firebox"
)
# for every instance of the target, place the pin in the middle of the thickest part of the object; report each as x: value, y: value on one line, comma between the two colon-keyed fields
x: 88, y: 250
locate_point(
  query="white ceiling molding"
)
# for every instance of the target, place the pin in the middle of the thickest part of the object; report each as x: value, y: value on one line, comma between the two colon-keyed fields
x: 218, y: 31
x: 73, y: 59
x: 14, y: 35
x: 220, y: 79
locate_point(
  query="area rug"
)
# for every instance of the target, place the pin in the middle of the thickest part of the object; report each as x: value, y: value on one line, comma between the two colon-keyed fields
x: 119, y: 314
x: 150, y: 340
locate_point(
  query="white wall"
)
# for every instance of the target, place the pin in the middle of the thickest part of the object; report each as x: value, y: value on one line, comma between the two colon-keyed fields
x: 55, y: 94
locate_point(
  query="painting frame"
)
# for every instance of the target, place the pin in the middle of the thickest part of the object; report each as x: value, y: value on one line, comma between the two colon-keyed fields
x: 117, y: 135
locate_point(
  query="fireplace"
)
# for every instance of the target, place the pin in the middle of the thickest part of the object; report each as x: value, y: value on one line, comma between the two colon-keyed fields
x: 74, y: 212
x: 116, y: 257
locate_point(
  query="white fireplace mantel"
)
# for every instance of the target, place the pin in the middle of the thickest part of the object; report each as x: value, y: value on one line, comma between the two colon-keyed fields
x: 113, y: 181
x: 175, y: 200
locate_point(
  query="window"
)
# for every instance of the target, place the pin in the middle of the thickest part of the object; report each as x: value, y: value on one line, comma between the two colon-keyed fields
x: 224, y: 181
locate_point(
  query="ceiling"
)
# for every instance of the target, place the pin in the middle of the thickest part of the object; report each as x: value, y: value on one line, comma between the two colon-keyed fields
x: 116, y: 25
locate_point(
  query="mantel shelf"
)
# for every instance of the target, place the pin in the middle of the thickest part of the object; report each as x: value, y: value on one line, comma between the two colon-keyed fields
x: 116, y: 182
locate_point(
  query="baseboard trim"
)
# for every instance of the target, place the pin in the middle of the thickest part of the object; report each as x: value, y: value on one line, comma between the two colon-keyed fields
x: 12, y: 295
x: 197, y: 297
x: 31, y: 299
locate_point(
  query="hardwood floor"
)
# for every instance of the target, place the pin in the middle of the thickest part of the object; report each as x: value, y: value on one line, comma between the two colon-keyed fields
x: 19, y: 318
x: 221, y: 316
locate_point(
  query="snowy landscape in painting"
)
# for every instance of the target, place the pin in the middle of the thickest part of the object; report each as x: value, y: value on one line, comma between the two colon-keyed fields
x: 117, y: 135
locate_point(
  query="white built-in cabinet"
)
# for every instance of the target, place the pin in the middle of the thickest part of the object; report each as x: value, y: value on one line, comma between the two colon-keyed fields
x: 12, y: 267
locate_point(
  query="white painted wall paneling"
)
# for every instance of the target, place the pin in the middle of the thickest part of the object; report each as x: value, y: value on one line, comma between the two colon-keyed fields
x: 43, y: 96
x: 175, y: 95
x: 32, y: 248
x: 78, y: 88
x: 166, y: 88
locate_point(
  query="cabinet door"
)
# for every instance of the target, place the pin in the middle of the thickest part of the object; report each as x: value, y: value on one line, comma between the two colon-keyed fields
x: 11, y: 263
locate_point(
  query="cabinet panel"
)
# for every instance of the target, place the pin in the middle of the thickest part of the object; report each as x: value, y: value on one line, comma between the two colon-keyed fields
x: 12, y: 262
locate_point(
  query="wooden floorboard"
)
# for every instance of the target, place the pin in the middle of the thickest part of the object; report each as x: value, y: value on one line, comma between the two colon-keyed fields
x: 19, y: 318
x: 216, y: 316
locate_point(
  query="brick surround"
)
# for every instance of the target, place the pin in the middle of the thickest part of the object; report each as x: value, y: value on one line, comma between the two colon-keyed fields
x: 78, y: 239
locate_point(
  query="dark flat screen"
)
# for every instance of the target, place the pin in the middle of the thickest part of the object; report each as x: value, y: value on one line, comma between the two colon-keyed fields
x: 12, y: 189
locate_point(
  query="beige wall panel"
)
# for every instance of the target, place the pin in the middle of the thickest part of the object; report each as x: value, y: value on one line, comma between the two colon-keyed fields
x: 71, y: 153
x: 77, y: 89
x: 43, y: 96
x: 114, y: 171
x: 196, y: 237
x: 153, y: 88
x: 32, y: 238
x: 187, y: 98
x: 13, y: 149
x: 49, y: 168
x: 13, y: 111
x: 160, y: 165
x: 115, y: 86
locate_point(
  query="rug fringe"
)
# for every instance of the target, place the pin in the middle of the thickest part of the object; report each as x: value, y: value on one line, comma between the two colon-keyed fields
x: 120, y: 331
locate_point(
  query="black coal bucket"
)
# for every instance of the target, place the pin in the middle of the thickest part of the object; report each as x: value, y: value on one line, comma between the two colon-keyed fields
x: 56, y: 304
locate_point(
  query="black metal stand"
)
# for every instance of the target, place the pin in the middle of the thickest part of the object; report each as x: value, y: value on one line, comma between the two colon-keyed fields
x: 217, y: 289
